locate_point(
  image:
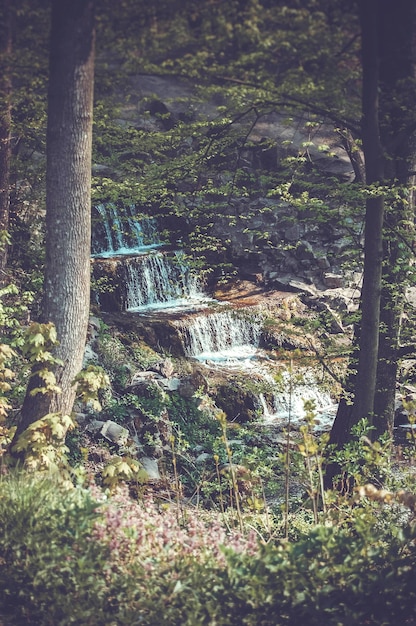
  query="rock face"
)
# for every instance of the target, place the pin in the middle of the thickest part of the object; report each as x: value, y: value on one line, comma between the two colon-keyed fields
x: 268, y: 240
x: 239, y: 403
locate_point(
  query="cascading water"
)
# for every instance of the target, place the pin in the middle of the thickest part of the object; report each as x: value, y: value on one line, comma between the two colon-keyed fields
x: 224, y: 336
x: 157, y: 281
x: 151, y: 279
x: 287, y: 400
x: 231, y: 339
x: 118, y: 232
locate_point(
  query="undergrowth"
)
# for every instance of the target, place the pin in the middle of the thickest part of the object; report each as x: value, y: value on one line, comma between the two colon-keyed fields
x: 79, y: 556
x: 221, y: 541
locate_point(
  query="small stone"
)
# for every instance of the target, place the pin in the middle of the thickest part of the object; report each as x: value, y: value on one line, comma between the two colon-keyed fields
x: 293, y: 233
x: 151, y: 468
x: 115, y: 433
x: 323, y: 263
x: 304, y: 251
x: 333, y: 281
x: 203, y: 457
x: 94, y: 426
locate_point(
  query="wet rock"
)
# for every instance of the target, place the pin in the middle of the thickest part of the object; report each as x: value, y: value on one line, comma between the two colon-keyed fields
x: 239, y: 401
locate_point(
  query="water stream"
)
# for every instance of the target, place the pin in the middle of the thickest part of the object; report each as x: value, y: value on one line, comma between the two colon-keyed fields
x: 287, y: 402
x: 221, y: 337
x: 230, y: 340
x: 156, y: 279
x: 118, y: 232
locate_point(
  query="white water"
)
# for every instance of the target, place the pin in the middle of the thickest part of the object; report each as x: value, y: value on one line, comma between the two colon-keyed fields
x: 230, y: 340
x: 227, y: 339
x: 123, y: 233
x: 156, y: 281
x: 225, y: 336
x: 288, y: 400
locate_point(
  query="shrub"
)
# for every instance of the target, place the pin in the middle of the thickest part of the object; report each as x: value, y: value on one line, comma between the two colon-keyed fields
x: 332, y: 577
x: 51, y: 572
x: 66, y: 559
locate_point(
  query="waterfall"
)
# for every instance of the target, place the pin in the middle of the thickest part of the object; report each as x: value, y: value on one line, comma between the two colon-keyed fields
x: 158, y: 281
x: 225, y: 335
x: 149, y: 279
x: 118, y: 232
x: 288, y: 398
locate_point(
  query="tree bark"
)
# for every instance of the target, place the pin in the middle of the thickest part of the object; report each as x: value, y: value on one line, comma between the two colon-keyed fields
x: 398, y: 121
x: 389, y: 123
x: 364, y: 369
x: 68, y: 200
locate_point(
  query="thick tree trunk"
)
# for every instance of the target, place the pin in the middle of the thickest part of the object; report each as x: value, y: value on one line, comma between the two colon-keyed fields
x: 5, y: 128
x: 398, y: 121
x: 373, y: 245
x: 389, y: 123
x: 387, y: 369
x: 364, y: 368
x: 68, y: 182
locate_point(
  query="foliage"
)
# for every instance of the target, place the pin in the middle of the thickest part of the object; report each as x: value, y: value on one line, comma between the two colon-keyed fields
x: 350, y: 559
x: 52, y: 573
x: 310, y: 456
x: 67, y: 559
x: 168, y: 563
x: 113, y: 357
x: 362, y: 460
x: 14, y: 310
x: 331, y: 577
x: 38, y: 342
x: 90, y: 381
x: 6, y: 374
x: 247, y: 61
x: 196, y: 426
x: 43, y: 443
x: 165, y: 570
x: 122, y: 469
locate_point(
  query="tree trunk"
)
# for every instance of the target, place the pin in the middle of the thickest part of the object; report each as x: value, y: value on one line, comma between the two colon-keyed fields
x: 68, y: 200
x: 387, y: 371
x: 397, y: 98
x: 389, y: 123
x: 5, y: 129
x: 365, y: 367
